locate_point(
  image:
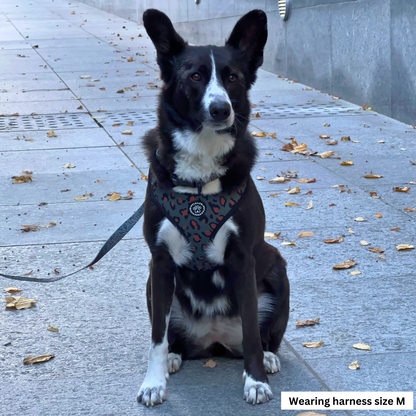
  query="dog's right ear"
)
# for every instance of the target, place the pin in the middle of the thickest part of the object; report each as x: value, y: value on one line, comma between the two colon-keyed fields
x: 167, y: 42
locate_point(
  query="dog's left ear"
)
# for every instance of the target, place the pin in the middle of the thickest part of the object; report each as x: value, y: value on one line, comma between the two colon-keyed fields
x: 167, y: 42
x: 249, y: 37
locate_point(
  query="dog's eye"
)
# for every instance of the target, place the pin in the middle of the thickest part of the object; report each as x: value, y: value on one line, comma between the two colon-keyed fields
x: 196, y: 76
x: 232, y: 78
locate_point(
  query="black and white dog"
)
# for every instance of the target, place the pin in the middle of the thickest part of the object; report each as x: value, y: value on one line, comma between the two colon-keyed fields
x: 215, y: 286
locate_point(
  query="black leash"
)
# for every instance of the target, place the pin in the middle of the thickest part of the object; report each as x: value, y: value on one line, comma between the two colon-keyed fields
x: 109, y: 244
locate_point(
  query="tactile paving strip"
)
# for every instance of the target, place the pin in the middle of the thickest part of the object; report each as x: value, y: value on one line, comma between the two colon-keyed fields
x: 46, y: 122
x: 141, y: 116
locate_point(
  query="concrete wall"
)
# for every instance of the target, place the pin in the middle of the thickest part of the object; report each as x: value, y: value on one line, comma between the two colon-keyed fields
x: 361, y: 50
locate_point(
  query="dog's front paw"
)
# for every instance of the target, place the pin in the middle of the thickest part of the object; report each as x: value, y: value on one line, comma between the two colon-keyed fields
x: 256, y: 391
x: 152, y: 392
x: 174, y: 362
x: 271, y: 362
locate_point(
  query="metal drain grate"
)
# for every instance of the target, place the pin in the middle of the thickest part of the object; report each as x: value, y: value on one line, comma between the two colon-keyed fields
x: 306, y: 110
x: 140, y: 116
x: 46, y: 122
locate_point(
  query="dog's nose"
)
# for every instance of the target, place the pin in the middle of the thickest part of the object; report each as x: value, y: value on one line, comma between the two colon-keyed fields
x: 220, y: 111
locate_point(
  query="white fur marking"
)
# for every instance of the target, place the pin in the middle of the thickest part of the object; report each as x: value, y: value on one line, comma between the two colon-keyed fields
x: 153, y: 388
x: 174, y: 362
x: 271, y: 362
x: 216, y: 248
x: 218, y: 280
x: 219, y: 305
x: 256, y: 391
x: 175, y: 242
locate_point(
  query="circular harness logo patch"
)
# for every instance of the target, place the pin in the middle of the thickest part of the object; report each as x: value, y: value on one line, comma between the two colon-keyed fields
x: 197, y: 209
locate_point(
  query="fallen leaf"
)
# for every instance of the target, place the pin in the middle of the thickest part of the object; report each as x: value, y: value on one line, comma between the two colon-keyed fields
x: 395, y: 229
x: 120, y: 92
x: 398, y: 189
x: 345, y: 265
x: 210, y: 363
x: 130, y: 59
x: 130, y: 123
x: 258, y: 134
x: 313, y: 344
x: 408, y: 209
x: 412, y: 163
x: 349, y: 163
x: 381, y: 141
x: 326, y: 124
x: 294, y: 191
x: 306, y: 234
x: 335, y: 98
x: 260, y: 178
x: 355, y: 273
x: 41, y: 358
x: 51, y: 133
x: 114, y: 197
x: 121, y: 144
x: 272, y: 135
x: 350, y: 230
x: 331, y: 142
x: 308, y: 322
x: 373, y: 176
x: 325, y: 155
x: 22, y: 179
x: 402, y: 247
x: 288, y: 147
x: 80, y: 198
x: 359, y: 219
x: 333, y: 240
x: 102, y: 88
x: 378, y: 215
x: 127, y: 132
x: 308, y: 89
x: 19, y: 302
x: 289, y: 243
x: 310, y: 205
x: 374, y: 195
x: 324, y: 136
x: 262, y: 168
x: 52, y: 329
x: 291, y: 204
x: 12, y: 290
x: 80, y: 107
x: 116, y: 124
x: 376, y: 250
x: 257, y: 115
x: 271, y: 195
x: 305, y: 180
x: 300, y: 148
x: 345, y: 138
x: 85, y: 76
x: 294, y: 142
x: 278, y: 179
x: 354, y: 366
x: 272, y: 236
x: 364, y: 243
x: 36, y: 227
x: 361, y: 346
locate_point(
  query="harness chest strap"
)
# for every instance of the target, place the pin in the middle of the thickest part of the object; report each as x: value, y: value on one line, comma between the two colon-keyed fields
x: 197, y: 217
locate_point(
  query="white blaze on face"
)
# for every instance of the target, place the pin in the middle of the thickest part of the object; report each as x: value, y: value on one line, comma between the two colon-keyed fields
x: 216, y: 92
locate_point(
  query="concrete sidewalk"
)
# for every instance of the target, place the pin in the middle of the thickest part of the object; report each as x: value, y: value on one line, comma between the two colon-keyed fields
x: 47, y: 51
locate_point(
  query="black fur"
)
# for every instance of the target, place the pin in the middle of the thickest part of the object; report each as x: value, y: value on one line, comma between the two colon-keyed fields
x: 251, y: 265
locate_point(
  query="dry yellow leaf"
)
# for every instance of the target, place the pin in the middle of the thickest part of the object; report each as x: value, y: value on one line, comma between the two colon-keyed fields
x: 361, y: 346
x: 334, y: 240
x: 80, y: 107
x: 258, y: 134
x: 260, y: 178
x: 271, y: 236
x: 349, y: 163
x: 310, y: 205
x: 378, y: 215
x: 69, y: 166
x: 85, y: 76
x: 272, y: 135
x: 288, y: 243
x: 130, y: 59
x: 12, y: 290
x: 354, y: 366
x: 326, y: 124
x: 288, y: 147
x: 313, y: 344
x: 325, y: 155
x: 127, y: 132
x: 335, y: 98
x: 257, y: 115
x: 376, y: 250
x: 294, y: 142
x: 306, y: 234
x: 51, y: 133
x: 271, y: 195
x: 22, y: 179
x: 324, y: 136
x: 37, y: 360
x: 144, y: 177
x: 305, y: 180
x: 308, y: 89
x: 210, y: 363
x: 291, y: 204
x: 308, y: 322
x: 114, y: 197
x: 294, y: 191
x: 355, y: 273
x: 398, y: 189
x: 345, y: 265
x: 52, y: 329
x: 364, y: 243
x: 373, y: 176
x: 402, y: 247
x: 19, y: 302
x: 278, y: 179
x: 359, y: 219
x: 345, y: 138
x: 130, y: 123
x: 80, y: 198
x: 395, y: 229
x: 100, y: 180
x: 300, y: 148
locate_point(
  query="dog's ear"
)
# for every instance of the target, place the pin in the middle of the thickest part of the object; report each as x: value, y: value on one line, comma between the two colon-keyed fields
x: 249, y: 37
x: 167, y: 42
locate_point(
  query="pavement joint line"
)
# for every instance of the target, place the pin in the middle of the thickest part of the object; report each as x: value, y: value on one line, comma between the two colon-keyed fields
x: 311, y: 370
x: 64, y: 148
